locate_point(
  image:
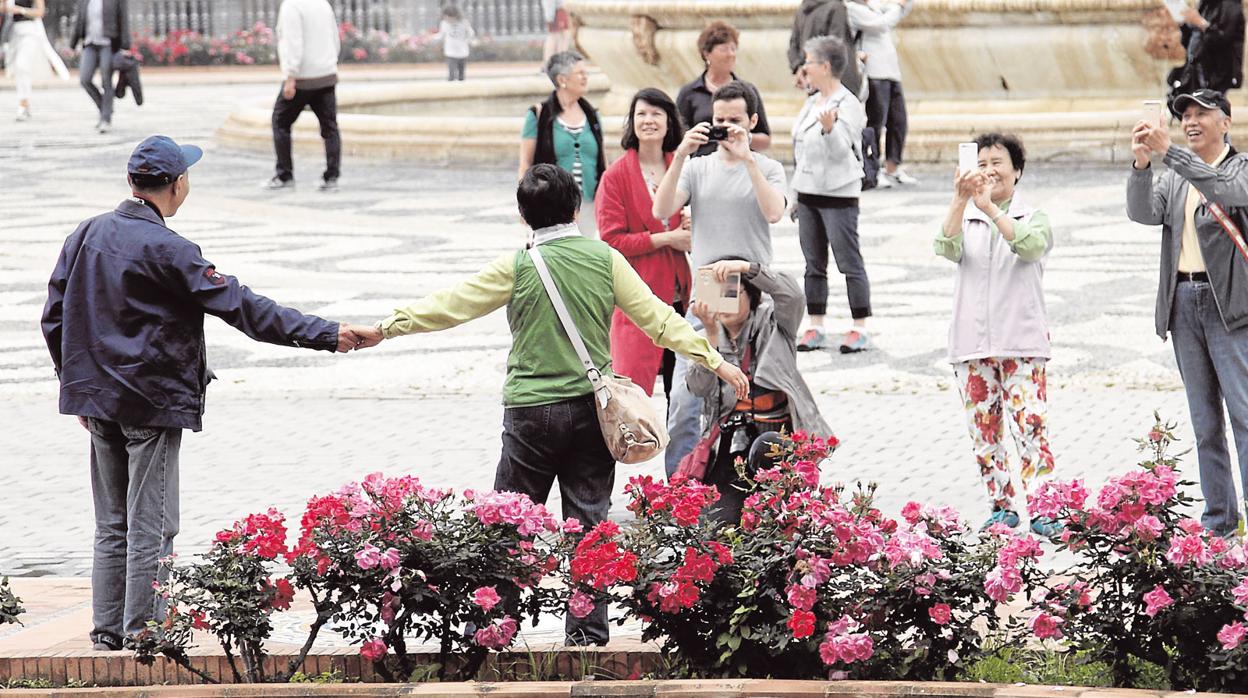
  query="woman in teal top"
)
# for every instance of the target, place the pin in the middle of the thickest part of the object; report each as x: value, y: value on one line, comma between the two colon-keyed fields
x: 564, y: 131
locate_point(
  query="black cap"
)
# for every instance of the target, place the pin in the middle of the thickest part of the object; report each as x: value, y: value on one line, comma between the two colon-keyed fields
x: 1209, y: 99
x: 159, y: 156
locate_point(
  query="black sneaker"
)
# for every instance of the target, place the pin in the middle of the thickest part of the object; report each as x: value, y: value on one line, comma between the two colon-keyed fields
x: 106, y: 642
x: 277, y: 183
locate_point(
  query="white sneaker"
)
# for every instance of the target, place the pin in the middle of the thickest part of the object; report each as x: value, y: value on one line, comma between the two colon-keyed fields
x: 884, y: 181
x: 901, y: 177
x: 23, y: 113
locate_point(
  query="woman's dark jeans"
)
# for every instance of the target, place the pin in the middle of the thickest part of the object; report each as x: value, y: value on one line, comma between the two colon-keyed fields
x: 723, y: 471
x: 561, y: 441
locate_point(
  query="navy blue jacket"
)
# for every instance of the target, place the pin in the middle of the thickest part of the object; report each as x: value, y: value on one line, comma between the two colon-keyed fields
x: 124, y: 320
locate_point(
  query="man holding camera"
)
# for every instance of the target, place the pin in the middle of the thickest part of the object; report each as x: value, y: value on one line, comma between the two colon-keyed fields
x: 1202, y: 298
x: 734, y: 196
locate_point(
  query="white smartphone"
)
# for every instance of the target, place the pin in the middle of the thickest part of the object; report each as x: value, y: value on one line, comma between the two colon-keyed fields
x: 1154, y: 112
x: 968, y: 157
x: 1176, y: 8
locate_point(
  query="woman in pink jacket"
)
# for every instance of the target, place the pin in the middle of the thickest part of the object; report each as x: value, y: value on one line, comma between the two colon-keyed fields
x: 655, y: 248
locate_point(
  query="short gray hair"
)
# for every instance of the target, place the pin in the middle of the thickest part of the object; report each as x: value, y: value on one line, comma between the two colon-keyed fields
x: 830, y: 50
x: 561, y: 64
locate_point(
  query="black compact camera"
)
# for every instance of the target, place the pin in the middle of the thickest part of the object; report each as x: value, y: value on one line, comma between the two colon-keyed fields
x: 717, y: 133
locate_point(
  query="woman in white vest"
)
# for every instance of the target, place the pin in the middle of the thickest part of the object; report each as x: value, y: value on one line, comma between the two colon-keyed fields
x: 999, y: 337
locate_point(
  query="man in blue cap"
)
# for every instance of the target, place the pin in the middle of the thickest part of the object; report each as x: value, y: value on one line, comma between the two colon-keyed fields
x: 124, y: 323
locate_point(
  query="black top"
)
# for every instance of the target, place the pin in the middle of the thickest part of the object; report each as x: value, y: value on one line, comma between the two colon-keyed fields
x: 693, y: 102
x: 23, y: 3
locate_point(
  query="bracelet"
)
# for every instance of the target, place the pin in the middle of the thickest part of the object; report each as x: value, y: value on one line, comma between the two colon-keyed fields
x: 994, y: 218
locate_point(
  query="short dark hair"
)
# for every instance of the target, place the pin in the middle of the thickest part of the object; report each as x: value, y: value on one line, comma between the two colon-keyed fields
x: 738, y: 90
x: 451, y: 11
x: 753, y: 292
x: 150, y: 183
x: 716, y: 33
x: 547, y: 196
x: 1012, y: 144
x: 655, y: 98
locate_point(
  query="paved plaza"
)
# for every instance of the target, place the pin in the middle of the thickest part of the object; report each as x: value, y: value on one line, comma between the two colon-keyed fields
x: 283, y: 424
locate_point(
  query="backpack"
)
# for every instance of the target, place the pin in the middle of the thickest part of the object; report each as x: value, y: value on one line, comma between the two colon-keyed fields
x: 870, y: 159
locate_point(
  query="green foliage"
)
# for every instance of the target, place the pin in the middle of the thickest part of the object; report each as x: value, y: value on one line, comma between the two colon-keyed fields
x: 324, y: 677
x: 1053, y: 668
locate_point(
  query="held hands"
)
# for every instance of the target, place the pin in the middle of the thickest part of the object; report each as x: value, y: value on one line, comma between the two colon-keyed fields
x: 709, y: 318
x: 680, y: 239
x: 695, y: 138
x: 357, y: 337
x: 966, y: 184
x: 1148, y: 139
x: 827, y: 120
x: 738, y: 143
x: 982, y: 197
x: 288, y: 89
x: 1191, y: 16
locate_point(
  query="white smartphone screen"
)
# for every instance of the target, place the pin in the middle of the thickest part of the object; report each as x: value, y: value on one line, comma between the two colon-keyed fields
x: 968, y: 157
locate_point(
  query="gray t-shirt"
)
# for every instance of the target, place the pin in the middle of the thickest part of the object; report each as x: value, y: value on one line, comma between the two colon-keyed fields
x: 727, y: 220
x: 95, y: 24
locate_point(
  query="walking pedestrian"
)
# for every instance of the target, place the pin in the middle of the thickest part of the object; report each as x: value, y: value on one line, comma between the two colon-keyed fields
x: 124, y: 323
x: 999, y: 335
x: 734, y: 197
x: 655, y: 248
x: 718, y: 45
x: 827, y: 176
x: 558, y: 26
x: 456, y: 35
x: 872, y: 21
x: 102, y: 27
x: 28, y: 47
x: 565, y: 131
x: 1212, y: 35
x: 307, y: 48
x: 1202, y: 296
x: 550, y: 427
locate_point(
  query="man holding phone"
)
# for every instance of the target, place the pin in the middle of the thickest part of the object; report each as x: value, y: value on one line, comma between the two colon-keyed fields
x: 1202, y: 297
x: 734, y: 196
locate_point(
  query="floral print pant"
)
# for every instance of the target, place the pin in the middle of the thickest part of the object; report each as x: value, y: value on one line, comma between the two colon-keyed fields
x: 991, y: 389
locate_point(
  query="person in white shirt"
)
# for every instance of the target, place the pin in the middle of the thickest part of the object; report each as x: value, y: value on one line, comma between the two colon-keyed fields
x: 307, y: 48
x: 456, y: 35
x: 872, y: 22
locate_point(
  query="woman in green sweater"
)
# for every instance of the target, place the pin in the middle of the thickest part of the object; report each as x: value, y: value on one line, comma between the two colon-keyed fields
x: 550, y: 427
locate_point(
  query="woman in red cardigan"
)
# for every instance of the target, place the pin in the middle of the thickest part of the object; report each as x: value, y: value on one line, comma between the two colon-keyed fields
x: 655, y: 248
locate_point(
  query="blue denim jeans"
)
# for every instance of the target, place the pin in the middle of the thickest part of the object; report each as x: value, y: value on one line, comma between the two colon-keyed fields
x: 98, y: 58
x: 1214, y: 366
x: 134, y: 484
x: 684, y: 411
x: 561, y: 441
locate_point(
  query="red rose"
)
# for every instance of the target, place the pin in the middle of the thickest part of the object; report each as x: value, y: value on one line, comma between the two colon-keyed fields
x: 802, y: 624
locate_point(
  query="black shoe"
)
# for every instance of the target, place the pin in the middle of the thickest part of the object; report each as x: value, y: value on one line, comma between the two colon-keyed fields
x: 106, y: 642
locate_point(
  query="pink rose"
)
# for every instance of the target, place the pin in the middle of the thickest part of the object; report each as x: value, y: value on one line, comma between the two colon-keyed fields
x: 486, y: 597
x: 802, y: 597
x: 389, y: 559
x: 912, y: 512
x: 1241, y: 593
x: 374, y: 649
x: 940, y: 613
x: 1231, y: 635
x: 1046, y: 625
x: 497, y: 635
x: 367, y: 557
x: 1156, y: 600
x: 573, y: 526
x: 581, y: 604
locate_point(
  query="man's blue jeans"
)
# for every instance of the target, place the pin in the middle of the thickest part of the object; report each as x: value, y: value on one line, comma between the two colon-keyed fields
x: 684, y: 411
x: 1214, y: 366
x: 134, y: 482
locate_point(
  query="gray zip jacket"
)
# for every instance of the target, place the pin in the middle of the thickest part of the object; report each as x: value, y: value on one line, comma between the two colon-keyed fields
x: 1161, y: 202
x: 772, y: 331
x: 829, y: 164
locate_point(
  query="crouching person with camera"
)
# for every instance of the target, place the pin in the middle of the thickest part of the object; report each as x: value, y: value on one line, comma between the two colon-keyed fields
x: 759, y: 336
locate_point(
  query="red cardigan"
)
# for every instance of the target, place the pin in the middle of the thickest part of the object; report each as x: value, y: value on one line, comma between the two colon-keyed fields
x: 623, y: 205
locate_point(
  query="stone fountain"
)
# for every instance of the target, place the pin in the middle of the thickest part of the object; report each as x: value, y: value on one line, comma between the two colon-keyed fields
x: 1066, y: 75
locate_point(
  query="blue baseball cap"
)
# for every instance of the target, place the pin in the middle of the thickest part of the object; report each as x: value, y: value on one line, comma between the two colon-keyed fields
x: 159, y: 156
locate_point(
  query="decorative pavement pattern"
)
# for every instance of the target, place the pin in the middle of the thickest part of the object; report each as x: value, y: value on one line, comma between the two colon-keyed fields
x: 283, y: 423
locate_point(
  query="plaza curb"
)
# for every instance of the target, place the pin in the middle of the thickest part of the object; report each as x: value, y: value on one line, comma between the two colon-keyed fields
x: 738, y: 688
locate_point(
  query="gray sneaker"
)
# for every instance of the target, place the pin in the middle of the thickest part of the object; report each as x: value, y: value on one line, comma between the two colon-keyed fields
x: 328, y: 186
x: 278, y: 183
x: 104, y: 127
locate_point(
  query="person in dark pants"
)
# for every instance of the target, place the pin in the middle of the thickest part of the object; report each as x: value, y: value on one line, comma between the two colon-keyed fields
x: 550, y: 426
x: 103, y: 28
x: 124, y: 323
x: 307, y: 47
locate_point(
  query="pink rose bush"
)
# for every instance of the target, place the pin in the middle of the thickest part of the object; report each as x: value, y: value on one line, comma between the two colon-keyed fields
x: 813, y: 582
x: 231, y: 593
x: 1154, y: 585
